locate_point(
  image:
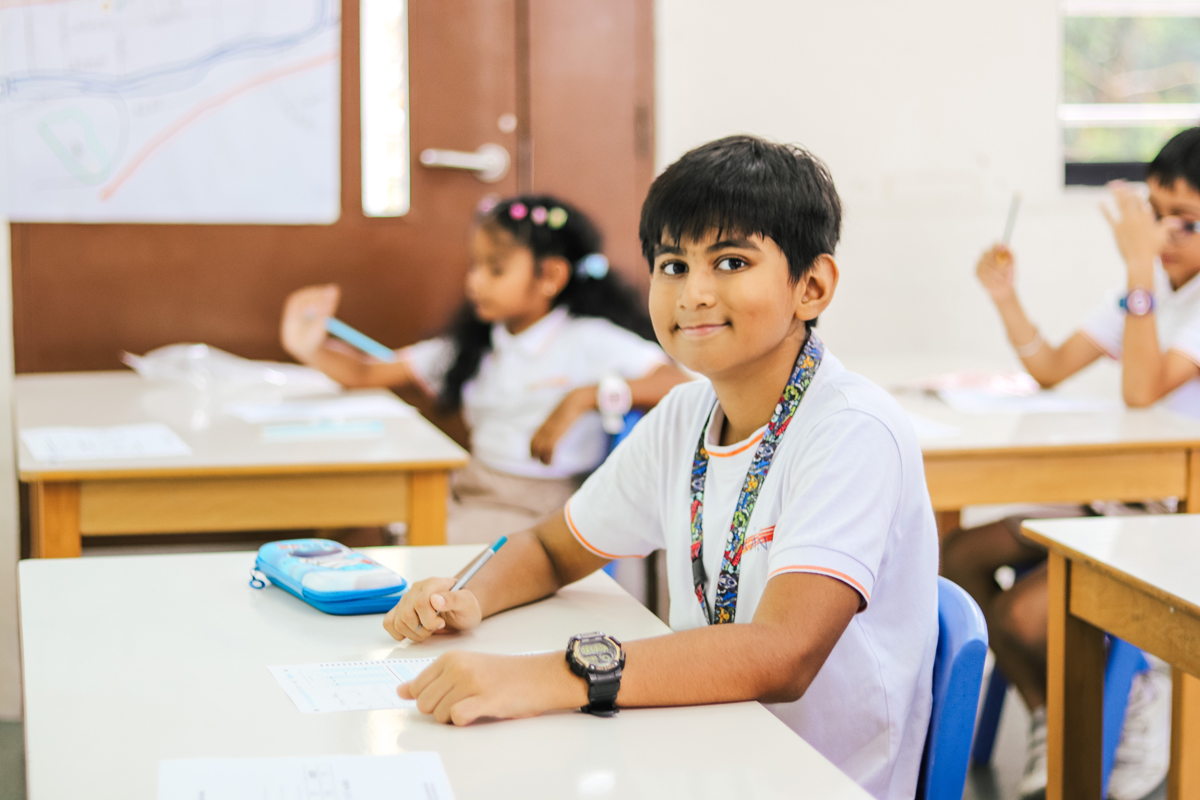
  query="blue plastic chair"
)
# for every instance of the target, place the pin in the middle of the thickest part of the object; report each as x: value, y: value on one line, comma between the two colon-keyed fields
x: 957, y: 677
x: 1124, y: 662
x: 631, y: 418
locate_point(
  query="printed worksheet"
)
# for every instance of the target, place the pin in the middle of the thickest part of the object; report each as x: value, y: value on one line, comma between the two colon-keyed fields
x: 149, y: 440
x: 407, y: 776
x: 349, y: 685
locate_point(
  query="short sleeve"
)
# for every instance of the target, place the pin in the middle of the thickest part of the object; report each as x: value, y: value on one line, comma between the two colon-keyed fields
x: 429, y: 362
x: 613, y: 350
x: 615, y: 514
x: 843, y: 496
x: 1186, y: 341
x: 1105, y: 326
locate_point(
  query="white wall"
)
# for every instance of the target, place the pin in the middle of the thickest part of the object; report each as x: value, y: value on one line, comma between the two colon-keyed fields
x: 929, y: 115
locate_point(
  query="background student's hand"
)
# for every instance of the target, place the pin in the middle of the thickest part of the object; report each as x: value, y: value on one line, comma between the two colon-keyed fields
x: 996, y: 270
x: 304, y: 315
x: 1140, y: 237
x: 463, y: 687
x: 573, y: 406
x: 459, y: 611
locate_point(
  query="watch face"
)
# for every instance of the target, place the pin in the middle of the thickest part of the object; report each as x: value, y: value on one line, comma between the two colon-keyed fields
x: 600, y: 654
x: 1139, y: 302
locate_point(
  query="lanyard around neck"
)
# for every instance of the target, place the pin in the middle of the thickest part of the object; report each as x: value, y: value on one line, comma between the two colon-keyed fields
x: 727, y: 584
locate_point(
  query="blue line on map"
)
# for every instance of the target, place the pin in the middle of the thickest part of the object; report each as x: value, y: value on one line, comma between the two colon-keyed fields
x: 95, y: 82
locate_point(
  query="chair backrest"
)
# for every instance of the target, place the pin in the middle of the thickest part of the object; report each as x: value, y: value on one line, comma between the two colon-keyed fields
x: 957, y: 677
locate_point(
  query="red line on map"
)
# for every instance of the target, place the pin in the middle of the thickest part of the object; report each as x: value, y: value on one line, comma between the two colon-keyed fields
x: 201, y: 110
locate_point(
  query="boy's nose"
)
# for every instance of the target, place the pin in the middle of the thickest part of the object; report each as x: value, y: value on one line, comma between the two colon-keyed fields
x: 698, y: 291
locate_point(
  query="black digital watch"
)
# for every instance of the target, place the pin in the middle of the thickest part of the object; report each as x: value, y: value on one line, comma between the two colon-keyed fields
x: 598, y: 659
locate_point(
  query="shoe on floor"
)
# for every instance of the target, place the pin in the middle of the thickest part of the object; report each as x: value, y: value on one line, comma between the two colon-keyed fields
x: 1144, y: 752
x: 1033, y: 782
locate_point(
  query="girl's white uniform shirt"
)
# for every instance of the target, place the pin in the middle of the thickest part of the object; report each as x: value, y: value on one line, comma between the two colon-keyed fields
x: 523, y: 378
x: 845, y: 497
x: 1177, y: 321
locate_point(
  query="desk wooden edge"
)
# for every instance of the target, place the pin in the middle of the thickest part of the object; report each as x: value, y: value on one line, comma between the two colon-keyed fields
x: 32, y: 476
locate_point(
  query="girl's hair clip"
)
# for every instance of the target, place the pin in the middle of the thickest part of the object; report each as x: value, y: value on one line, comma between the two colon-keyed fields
x: 538, y: 215
x: 556, y: 218
x: 487, y: 204
x: 594, y: 266
x: 518, y: 211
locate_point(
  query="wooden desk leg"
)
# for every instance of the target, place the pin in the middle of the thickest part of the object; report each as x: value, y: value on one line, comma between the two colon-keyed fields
x: 1074, y: 695
x: 430, y: 491
x: 54, y: 520
x: 1183, y: 781
x: 1191, y: 503
x: 946, y: 522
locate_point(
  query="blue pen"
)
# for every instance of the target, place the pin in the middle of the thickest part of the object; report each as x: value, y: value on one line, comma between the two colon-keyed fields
x: 363, y: 342
x: 483, y: 558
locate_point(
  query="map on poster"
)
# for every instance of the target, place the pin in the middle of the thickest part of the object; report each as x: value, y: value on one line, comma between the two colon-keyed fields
x: 200, y: 111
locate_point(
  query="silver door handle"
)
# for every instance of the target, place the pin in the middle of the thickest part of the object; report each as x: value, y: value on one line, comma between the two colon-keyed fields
x: 489, y: 163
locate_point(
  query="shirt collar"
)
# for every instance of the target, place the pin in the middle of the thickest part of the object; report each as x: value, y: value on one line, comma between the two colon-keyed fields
x: 1185, y: 292
x: 534, y: 339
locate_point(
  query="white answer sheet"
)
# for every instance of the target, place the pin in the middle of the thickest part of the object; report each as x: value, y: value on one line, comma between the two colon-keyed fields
x: 349, y: 685
x: 148, y: 440
x: 406, y: 776
x: 973, y: 401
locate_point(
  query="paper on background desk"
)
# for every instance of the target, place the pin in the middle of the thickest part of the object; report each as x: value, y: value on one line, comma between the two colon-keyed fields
x: 373, y: 406
x: 349, y: 685
x: 975, y: 401
x: 406, y: 776
x: 148, y: 440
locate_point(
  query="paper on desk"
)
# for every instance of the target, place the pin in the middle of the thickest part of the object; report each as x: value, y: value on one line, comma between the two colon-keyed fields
x: 406, y: 776
x: 972, y: 401
x: 349, y: 685
x: 149, y: 440
x: 374, y: 406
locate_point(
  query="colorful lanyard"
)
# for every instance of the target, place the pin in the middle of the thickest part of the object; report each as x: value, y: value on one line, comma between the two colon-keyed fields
x: 727, y: 584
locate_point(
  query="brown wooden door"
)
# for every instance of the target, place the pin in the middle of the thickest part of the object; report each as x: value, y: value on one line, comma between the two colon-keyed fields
x: 576, y: 73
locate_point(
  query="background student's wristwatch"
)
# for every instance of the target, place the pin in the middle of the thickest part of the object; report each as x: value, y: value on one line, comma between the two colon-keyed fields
x: 613, y: 399
x: 1137, y: 303
x: 598, y: 659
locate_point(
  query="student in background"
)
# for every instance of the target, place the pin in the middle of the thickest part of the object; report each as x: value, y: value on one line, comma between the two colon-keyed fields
x: 1152, y: 324
x: 789, y: 495
x: 544, y: 323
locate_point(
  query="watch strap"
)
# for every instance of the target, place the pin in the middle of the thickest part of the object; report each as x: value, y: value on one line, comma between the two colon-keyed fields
x: 602, y: 694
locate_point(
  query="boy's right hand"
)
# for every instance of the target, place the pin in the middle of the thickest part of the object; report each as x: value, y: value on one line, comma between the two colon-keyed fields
x: 438, y: 610
x: 996, y: 270
x: 305, y: 313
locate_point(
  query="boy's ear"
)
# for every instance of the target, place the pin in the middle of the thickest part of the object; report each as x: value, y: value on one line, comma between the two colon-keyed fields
x: 556, y: 271
x: 815, y: 290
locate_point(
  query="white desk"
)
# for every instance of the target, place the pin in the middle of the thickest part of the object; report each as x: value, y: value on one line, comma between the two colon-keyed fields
x: 1134, y: 577
x: 233, y: 480
x: 1123, y: 454
x: 130, y: 660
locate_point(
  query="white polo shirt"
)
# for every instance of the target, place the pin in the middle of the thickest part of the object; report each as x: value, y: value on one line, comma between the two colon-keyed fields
x: 845, y: 497
x: 1177, y: 320
x: 524, y: 378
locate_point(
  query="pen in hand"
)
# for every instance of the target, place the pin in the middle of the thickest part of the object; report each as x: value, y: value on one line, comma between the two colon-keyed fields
x: 483, y: 558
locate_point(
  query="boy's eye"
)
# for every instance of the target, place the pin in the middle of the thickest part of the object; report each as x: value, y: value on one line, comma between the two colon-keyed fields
x: 672, y: 268
x: 731, y: 263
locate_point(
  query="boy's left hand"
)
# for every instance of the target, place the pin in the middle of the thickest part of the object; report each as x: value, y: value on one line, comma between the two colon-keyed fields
x: 463, y: 687
x: 573, y: 406
x: 1140, y: 237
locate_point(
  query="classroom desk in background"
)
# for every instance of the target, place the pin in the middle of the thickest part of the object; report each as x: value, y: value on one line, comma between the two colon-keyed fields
x: 232, y: 481
x: 132, y: 659
x: 1133, y: 577
x: 1074, y: 457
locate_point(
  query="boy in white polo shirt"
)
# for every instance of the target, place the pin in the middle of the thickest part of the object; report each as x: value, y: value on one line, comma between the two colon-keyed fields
x: 789, y: 495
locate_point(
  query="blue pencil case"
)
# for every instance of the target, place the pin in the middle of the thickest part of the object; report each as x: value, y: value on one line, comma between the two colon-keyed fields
x: 329, y: 576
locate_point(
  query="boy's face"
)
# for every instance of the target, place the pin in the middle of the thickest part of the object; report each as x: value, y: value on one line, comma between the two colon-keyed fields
x: 720, y: 306
x: 1181, y: 256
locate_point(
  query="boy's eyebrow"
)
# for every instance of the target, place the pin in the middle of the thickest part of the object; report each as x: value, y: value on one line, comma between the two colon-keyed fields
x: 669, y: 249
x: 741, y: 244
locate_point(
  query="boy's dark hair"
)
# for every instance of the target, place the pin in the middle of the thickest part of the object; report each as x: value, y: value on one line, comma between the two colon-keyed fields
x: 585, y: 295
x: 743, y: 185
x: 1179, y: 158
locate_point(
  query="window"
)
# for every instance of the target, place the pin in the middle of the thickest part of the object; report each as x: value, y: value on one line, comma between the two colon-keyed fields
x: 1131, y: 80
